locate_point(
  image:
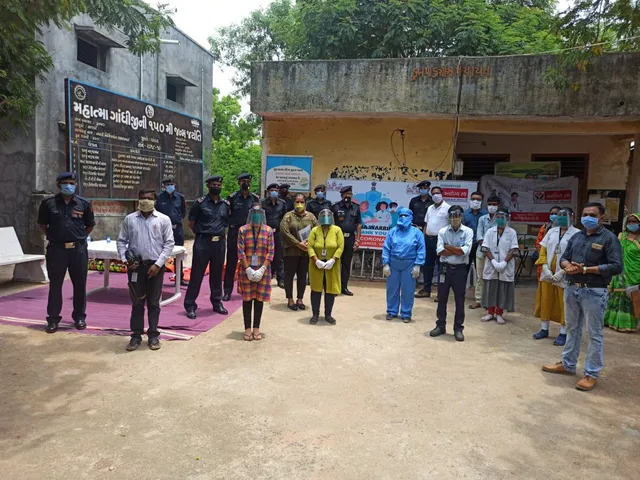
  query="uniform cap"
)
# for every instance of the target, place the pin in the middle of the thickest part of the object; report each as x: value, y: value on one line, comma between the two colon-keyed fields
x: 67, y: 176
x: 320, y: 187
x: 244, y: 176
x: 347, y: 189
x: 168, y: 180
x: 214, y: 178
x: 424, y: 183
x: 284, y: 185
x: 272, y: 185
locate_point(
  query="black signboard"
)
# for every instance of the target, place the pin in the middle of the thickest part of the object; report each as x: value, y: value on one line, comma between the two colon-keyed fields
x: 118, y: 144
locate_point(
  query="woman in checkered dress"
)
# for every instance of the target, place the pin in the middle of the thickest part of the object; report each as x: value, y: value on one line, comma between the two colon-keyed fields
x: 255, y: 252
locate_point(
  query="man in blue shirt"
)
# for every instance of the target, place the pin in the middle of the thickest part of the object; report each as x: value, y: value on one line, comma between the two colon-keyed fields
x: 172, y: 204
x: 471, y: 217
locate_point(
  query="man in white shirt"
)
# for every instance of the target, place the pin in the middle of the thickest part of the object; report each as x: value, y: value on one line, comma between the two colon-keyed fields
x: 437, y: 218
x: 146, y: 235
x: 454, y: 245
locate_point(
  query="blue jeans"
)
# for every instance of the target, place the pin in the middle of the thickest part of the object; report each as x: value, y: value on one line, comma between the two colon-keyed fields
x: 584, y: 306
x: 400, y: 287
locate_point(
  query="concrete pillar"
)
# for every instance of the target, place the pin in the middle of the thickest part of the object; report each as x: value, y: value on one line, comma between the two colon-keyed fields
x: 633, y: 182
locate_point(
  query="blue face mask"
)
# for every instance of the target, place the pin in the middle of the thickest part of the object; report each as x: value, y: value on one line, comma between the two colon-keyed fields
x: 633, y: 227
x: 553, y: 217
x: 424, y: 192
x: 404, y: 221
x: 562, y: 221
x: 67, y: 189
x: 273, y: 193
x: 320, y: 195
x: 589, y: 222
x: 170, y: 188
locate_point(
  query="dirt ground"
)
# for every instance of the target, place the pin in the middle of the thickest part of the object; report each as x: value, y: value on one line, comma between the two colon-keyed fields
x: 365, y: 399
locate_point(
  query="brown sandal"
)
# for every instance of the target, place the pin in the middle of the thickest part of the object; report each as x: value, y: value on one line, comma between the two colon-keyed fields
x: 473, y: 306
x: 257, y: 336
x: 248, y: 337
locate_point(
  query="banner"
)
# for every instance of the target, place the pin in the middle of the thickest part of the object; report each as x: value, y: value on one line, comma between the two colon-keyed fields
x: 530, y: 170
x: 292, y: 169
x: 529, y: 201
x: 379, y: 201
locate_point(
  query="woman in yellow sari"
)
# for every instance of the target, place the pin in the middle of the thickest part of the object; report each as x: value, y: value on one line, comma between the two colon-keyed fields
x: 550, y: 295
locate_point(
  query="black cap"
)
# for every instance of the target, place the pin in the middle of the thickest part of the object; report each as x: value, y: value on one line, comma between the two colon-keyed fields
x: 424, y: 183
x: 320, y: 187
x: 284, y: 185
x: 214, y: 178
x: 168, y: 180
x: 244, y: 176
x: 272, y: 185
x: 66, y: 176
x: 347, y: 189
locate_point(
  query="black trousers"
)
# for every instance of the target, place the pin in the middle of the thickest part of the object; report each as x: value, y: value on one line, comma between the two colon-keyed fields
x: 257, y: 313
x: 59, y: 260
x: 206, y: 252
x: 472, y: 256
x: 455, y: 278
x: 298, y: 267
x: 178, y: 235
x: 145, y: 291
x: 329, y: 300
x: 232, y: 259
x: 345, y: 260
x: 430, y: 263
x: 277, y: 266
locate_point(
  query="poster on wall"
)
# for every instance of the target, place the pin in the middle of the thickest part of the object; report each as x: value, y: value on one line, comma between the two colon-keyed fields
x: 379, y: 202
x: 528, y: 200
x: 292, y: 169
x: 531, y: 170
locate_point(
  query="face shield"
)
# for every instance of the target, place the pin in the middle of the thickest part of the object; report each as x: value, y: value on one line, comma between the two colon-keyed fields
x: 405, y: 217
x: 563, y: 219
x: 502, y: 219
x: 325, y: 217
x: 256, y: 216
x: 455, y: 218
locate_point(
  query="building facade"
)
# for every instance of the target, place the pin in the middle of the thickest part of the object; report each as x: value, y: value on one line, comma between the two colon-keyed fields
x: 179, y: 77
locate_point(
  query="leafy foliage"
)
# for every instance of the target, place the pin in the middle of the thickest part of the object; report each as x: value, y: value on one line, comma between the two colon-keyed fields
x: 23, y: 56
x: 235, y: 143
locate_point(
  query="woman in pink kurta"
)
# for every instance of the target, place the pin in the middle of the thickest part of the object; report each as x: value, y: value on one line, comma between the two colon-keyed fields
x: 255, y: 252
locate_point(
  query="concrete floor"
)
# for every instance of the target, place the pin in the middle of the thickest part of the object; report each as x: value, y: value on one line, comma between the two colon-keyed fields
x: 366, y: 399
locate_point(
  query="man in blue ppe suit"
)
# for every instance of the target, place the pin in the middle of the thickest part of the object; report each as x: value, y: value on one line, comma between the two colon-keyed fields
x: 403, y: 254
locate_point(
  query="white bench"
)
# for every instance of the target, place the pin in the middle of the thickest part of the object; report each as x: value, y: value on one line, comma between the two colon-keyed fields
x: 28, y: 268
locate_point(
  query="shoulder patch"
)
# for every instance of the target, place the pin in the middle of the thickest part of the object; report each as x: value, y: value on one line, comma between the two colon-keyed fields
x: 227, y: 202
x: 201, y: 199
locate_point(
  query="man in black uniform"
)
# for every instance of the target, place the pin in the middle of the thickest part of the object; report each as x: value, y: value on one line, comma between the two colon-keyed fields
x: 274, y: 209
x: 284, y: 195
x: 418, y: 205
x: 240, y: 202
x: 208, y: 219
x: 173, y: 205
x: 66, y: 219
x: 347, y: 217
x: 316, y: 205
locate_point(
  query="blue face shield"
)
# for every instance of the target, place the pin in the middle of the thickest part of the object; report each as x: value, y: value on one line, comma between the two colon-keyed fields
x: 405, y: 217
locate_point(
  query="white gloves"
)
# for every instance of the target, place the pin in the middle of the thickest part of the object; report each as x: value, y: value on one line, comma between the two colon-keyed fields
x: 328, y: 265
x: 320, y: 264
x: 558, y: 276
x: 630, y: 290
x: 251, y: 274
x: 255, y: 275
x: 386, y: 271
x: 546, y: 270
x: 495, y: 264
x: 415, y: 271
x: 499, y: 266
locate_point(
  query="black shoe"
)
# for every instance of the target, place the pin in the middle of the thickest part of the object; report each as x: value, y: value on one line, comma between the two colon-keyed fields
x: 314, y: 320
x: 406, y: 319
x: 226, y: 297
x: 184, y: 283
x: 436, y: 332
x: 154, y: 343
x: 423, y: 294
x: 220, y: 309
x: 80, y: 324
x: 330, y: 320
x: 51, y: 327
x: 435, y: 299
x: 134, y: 343
x: 281, y: 284
x: 459, y: 335
x: 191, y: 314
x: 390, y: 317
x: 293, y: 307
x: 345, y: 291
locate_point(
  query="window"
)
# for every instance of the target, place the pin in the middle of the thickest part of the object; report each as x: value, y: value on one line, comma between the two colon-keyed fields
x: 570, y: 166
x: 92, y: 55
x: 475, y: 166
x: 175, y: 91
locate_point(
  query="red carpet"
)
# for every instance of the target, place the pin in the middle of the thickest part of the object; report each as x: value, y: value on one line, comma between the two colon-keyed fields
x: 108, y: 312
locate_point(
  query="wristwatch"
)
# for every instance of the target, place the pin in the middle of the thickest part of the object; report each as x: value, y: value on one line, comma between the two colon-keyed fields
x: 584, y: 270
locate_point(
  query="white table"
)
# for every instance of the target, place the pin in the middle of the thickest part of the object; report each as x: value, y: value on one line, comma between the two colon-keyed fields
x: 109, y: 251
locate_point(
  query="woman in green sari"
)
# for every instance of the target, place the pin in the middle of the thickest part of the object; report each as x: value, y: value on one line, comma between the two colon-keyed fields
x: 619, y: 314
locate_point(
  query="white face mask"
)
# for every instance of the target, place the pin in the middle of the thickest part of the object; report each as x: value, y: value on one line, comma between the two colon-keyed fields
x: 492, y: 208
x: 475, y: 204
x: 437, y: 197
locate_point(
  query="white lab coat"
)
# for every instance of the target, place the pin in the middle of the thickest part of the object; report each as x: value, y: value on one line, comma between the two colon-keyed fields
x: 550, y: 242
x: 500, y: 250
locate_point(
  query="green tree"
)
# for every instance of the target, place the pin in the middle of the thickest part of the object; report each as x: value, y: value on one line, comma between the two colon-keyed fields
x: 235, y: 143
x: 23, y: 56
x: 341, y: 29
